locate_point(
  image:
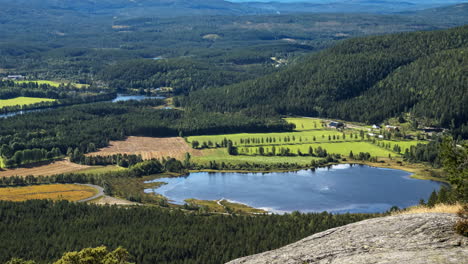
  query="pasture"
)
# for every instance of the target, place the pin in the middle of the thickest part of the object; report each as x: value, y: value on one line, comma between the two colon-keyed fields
x: 149, y: 148
x: 220, y: 155
x: 259, y: 139
x: 55, y: 83
x: 70, y: 192
x: 24, y: 101
x: 342, y: 148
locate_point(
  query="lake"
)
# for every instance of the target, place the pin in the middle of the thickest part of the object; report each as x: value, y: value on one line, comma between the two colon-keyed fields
x: 339, y: 189
x: 118, y: 98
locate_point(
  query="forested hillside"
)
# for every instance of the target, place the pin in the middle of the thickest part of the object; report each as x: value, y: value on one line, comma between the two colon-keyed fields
x: 363, y: 79
x: 44, y: 230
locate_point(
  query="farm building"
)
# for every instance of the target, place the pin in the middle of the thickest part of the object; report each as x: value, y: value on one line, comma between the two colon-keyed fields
x: 375, y: 126
x: 14, y: 77
x: 336, y: 125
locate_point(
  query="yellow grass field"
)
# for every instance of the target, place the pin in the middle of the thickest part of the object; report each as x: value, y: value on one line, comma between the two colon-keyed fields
x: 149, y: 148
x: 70, y: 192
x: 45, y: 169
x: 23, y: 101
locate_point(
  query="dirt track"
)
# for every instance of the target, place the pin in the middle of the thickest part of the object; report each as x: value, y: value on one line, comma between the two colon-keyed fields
x: 149, y: 148
x: 46, y: 169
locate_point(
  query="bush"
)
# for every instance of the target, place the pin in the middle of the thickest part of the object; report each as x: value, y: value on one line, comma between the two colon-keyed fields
x: 461, y: 227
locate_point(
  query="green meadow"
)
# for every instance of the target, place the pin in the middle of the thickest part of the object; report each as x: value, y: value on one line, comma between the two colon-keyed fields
x: 309, y: 132
x: 100, y: 170
x: 220, y: 155
x: 300, y: 137
x: 342, y: 148
x: 23, y: 101
x: 54, y: 83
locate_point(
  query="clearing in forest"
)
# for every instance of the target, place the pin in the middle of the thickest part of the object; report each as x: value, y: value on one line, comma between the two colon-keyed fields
x: 149, y: 148
x: 45, y: 169
x: 70, y: 192
x: 23, y: 101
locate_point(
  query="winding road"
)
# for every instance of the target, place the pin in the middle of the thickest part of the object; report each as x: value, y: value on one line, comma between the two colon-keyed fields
x: 99, y: 194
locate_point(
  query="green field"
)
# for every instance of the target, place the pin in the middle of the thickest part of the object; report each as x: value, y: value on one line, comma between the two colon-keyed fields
x: 54, y: 83
x: 100, y: 170
x: 302, y: 137
x: 342, y: 148
x: 2, y: 164
x: 403, y: 144
x: 24, y: 101
x: 220, y: 155
x: 310, y: 132
x: 304, y: 124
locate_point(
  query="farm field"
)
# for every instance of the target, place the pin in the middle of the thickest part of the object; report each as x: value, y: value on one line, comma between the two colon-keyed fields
x: 56, y: 167
x: 100, y: 169
x: 149, y: 148
x: 24, y: 101
x: 54, y: 83
x: 258, y: 139
x: 70, y: 192
x: 220, y: 155
x: 403, y: 144
x: 343, y: 148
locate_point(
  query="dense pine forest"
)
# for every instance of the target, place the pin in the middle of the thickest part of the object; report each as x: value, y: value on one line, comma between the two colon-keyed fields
x: 44, y: 230
x: 364, y: 79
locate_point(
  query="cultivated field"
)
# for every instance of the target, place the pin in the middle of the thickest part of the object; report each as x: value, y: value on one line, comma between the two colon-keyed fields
x: 56, y: 167
x: 343, y: 148
x: 149, y: 148
x: 54, y: 83
x: 309, y: 132
x: 70, y: 192
x: 23, y: 101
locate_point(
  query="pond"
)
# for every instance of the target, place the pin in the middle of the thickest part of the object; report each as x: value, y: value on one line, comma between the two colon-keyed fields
x: 119, y: 98
x: 339, y: 189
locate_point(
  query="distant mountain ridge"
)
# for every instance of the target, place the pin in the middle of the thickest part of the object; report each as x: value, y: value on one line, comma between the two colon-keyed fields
x: 166, y: 8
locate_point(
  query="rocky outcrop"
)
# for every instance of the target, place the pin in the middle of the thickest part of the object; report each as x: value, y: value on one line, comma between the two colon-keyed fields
x: 412, y: 238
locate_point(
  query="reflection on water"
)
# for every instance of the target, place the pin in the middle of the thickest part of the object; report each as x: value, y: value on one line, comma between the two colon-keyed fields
x: 340, y: 188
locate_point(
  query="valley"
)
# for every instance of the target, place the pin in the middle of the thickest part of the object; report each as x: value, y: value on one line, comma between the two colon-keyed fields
x: 174, y: 131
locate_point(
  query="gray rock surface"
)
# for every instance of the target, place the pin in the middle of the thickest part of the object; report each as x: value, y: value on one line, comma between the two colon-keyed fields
x: 412, y: 238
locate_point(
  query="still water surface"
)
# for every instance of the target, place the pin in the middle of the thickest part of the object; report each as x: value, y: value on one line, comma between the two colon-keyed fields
x: 339, y: 188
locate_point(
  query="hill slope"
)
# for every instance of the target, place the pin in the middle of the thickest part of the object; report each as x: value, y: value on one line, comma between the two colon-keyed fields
x: 416, y: 239
x: 363, y: 79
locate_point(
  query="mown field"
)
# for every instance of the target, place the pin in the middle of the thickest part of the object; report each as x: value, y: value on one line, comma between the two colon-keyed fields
x: 23, y: 101
x: 45, y: 169
x: 149, y: 148
x: 342, y: 148
x: 70, y: 192
x: 309, y: 133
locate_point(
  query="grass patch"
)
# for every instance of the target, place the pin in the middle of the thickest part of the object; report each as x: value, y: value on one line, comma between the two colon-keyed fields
x: 211, y: 206
x: 238, y: 208
x: 101, y: 170
x: 438, y: 208
x: 70, y: 192
x: 24, y: 101
x: 221, y: 155
x: 304, y: 124
x: 54, y: 83
x: 262, y: 139
x: 343, y: 148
